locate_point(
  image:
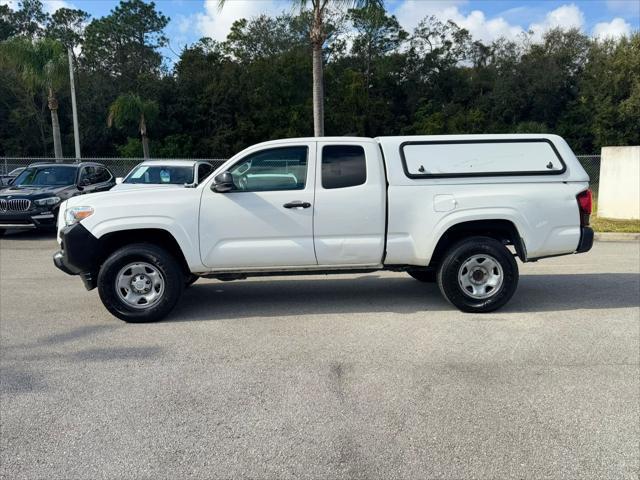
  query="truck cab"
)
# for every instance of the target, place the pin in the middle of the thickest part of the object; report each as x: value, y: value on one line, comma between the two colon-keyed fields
x: 297, y: 204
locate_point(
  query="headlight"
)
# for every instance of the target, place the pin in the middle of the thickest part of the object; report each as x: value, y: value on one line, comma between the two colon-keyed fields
x: 75, y: 214
x: 49, y: 201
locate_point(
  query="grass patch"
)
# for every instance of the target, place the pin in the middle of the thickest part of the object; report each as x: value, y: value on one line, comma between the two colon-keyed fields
x: 600, y: 224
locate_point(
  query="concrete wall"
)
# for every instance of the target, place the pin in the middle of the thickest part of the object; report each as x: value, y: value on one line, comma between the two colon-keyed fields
x: 619, y: 192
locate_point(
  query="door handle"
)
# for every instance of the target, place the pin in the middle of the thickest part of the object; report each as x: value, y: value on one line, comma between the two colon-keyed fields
x: 297, y: 204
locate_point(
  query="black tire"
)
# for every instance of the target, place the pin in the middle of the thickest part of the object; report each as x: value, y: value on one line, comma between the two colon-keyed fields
x: 191, y: 279
x: 426, y: 276
x: 450, y: 268
x: 163, y: 261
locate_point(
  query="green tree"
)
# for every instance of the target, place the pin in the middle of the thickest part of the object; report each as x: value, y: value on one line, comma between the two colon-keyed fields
x: 67, y: 25
x: 125, y: 43
x: 7, y: 22
x: 377, y: 34
x: 131, y: 109
x: 609, y: 91
x: 263, y: 37
x: 41, y: 65
x: 318, y: 37
x: 30, y: 19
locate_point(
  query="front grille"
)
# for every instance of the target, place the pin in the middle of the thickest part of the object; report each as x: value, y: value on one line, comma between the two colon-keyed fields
x: 15, y: 205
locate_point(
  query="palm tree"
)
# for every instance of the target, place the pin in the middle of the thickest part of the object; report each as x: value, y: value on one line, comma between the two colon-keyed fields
x: 129, y: 109
x: 41, y: 65
x: 318, y: 35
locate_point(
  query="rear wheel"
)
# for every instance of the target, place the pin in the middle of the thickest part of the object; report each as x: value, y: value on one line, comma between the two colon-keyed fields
x: 478, y: 275
x: 140, y: 283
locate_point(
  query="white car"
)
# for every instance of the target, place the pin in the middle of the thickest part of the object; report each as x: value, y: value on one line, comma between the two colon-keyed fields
x: 455, y: 209
x: 168, y: 173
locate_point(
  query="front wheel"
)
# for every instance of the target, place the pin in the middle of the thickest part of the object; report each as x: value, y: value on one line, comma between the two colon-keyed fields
x: 140, y: 283
x: 478, y: 275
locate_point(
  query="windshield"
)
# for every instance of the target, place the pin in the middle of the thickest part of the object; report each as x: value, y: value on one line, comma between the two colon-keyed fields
x: 46, y: 176
x: 160, y: 174
x: 15, y: 171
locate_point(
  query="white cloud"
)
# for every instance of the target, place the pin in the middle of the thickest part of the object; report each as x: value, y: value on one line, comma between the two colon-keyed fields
x: 216, y: 23
x: 616, y: 28
x: 13, y: 4
x: 485, y: 29
x: 564, y: 17
x: 51, y: 6
x: 411, y: 12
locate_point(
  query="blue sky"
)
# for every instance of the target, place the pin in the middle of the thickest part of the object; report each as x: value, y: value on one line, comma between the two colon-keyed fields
x: 485, y: 19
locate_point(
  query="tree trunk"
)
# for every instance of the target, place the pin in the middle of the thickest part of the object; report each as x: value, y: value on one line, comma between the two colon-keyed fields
x: 318, y: 91
x: 145, y: 138
x: 55, y: 126
x: 145, y: 146
x: 39, y: 114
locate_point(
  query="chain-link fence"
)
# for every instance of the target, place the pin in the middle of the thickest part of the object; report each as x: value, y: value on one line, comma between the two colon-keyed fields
x: 119, y: 166
x: 591, y: 164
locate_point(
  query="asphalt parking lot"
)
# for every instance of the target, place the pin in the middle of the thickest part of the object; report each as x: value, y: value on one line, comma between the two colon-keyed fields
x: 359, y: 376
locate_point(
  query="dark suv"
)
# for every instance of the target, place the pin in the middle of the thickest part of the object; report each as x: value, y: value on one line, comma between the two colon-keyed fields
x: 33, y: 199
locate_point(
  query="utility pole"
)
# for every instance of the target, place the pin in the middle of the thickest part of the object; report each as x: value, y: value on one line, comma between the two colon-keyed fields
x: 74, y: 108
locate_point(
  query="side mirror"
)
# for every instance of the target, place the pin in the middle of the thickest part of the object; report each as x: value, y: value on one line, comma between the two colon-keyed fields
x: 85, y: 182
x: 119, y: 180
x: 223, y: 183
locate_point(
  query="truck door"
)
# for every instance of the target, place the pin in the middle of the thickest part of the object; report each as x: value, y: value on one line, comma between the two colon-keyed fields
x: 266, y: 221
x: 350, y: 204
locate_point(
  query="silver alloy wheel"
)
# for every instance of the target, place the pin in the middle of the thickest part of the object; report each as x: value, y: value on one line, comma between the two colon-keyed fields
x: 480, y: 276
x: 140, y: 285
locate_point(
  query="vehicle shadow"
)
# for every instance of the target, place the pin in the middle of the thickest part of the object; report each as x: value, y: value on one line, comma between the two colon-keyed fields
x: 29, y: 235
x: 379, y: 294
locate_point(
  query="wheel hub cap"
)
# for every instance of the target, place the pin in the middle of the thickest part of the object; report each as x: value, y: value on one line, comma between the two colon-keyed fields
x: 477, y: 276
x: 480, y: 276
x: 140, y: 285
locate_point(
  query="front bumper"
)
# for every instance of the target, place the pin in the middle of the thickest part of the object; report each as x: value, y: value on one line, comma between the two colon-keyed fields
x: 586, y: 240
x: 79, y: 254
x: 30, y: 219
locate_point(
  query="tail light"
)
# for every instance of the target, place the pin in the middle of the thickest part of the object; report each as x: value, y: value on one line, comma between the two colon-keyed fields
x: 585, y: 204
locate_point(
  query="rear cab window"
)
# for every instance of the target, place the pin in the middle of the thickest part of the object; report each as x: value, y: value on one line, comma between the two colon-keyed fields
x: 343, y: 166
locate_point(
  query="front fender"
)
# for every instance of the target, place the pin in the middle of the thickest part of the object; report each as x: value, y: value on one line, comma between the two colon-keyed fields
x: 186, y: 239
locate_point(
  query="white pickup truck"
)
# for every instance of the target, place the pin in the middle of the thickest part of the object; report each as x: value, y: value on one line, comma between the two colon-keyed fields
x: 452, y: 209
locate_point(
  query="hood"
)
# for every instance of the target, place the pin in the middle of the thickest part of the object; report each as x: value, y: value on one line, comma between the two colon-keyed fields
x: 39, y: 191
x: 139, y: 186
x: 126, y: 196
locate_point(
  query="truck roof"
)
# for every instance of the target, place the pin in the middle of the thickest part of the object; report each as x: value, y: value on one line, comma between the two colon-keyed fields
x: 172, y: 162
x: 483, y: 136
